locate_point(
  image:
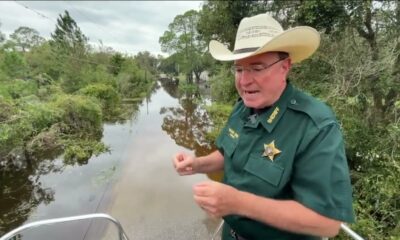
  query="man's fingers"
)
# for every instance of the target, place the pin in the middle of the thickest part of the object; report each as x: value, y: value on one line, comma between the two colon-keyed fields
x: 201, y: 201
x: 186, y: 172
x: 200, y: 189
x: 205, y: 204
x: 180, y: 156
x: 183, y: 166
x: 204, y: 188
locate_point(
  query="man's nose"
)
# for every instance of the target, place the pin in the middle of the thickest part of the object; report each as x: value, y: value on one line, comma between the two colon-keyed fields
x: 245, y: 77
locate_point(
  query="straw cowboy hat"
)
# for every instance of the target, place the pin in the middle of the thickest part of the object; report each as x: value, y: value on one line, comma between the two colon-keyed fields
x: 262, y: 33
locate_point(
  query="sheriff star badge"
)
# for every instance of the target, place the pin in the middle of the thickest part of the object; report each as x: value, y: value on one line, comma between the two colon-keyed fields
x: 270, y: 150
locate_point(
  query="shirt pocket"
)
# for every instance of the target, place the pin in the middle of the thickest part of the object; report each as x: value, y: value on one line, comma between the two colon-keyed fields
x: 228, y: 144
x: 264, y: 169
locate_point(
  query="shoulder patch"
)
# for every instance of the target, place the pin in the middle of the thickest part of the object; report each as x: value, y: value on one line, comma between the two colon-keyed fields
x: 320, y: 113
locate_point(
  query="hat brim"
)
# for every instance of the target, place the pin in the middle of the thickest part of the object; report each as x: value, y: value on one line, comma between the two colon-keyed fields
x: 299, y: 42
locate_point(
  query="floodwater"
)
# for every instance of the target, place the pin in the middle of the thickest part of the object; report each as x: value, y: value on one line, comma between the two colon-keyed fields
x: 135, y: 182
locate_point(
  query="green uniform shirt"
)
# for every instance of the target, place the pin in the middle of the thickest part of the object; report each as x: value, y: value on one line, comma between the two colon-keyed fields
x: 294, y: 150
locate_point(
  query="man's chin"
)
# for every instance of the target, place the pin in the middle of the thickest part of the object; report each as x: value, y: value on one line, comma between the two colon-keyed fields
x: 251, y: 104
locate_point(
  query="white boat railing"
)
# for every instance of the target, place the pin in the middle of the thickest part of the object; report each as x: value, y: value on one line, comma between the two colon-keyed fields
x: 122, y: 235
x: 350, y: 232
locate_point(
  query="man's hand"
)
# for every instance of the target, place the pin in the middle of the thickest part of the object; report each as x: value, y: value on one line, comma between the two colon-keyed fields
x: 215, y: 198
x: 183, y: 164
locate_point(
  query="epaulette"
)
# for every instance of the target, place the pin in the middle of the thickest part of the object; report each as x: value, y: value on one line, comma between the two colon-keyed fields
x: 320, y: 113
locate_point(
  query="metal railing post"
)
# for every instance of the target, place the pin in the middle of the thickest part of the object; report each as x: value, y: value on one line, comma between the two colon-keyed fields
x: 12, y: 233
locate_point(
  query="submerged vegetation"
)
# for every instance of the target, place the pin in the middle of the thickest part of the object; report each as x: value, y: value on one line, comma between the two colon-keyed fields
x: 53, y: 92
x: 55, y: 96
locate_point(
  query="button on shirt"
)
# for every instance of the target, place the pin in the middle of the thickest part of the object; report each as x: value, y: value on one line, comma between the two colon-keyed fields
x: 293, y: 150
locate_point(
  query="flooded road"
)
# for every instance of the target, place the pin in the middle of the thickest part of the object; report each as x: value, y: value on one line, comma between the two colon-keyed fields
x: 135, y: 182
x: 150, y: 199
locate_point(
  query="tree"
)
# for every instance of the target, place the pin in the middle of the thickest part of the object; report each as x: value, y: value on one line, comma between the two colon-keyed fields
x: 68, y: 37
x: 13, y: 64
x: 182, y: 38
x: 170, y: 65
x: 2, y: 36
x: 26, y: 38
x: 70, y: 49
x: 116, y: 63
x: 219, y: 20
x: 147, y: 61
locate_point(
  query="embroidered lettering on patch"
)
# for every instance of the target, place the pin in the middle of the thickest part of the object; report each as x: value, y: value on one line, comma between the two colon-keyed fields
x: 273, y: 115
x: 233, y: 134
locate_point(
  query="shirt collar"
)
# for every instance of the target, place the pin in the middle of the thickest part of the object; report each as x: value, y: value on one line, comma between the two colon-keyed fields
x: 270, y: 117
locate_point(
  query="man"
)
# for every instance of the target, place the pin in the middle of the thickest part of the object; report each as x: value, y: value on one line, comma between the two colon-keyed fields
x: 282, y: 152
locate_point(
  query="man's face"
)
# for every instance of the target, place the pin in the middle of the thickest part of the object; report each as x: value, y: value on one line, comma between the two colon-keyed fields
x: 260, y: 87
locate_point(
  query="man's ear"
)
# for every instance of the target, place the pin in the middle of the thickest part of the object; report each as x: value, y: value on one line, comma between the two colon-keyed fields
x: 287, y: 64
x: 285, y: 68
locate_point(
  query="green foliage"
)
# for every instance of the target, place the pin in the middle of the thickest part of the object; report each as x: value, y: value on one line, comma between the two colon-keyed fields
x: 219, y: 20
x: 82, y: 114
x: 79, y: 152
x: 170, y: 65
x: 41, y: 60
x: 39, y: 116
x: 132, y: 81
x: 7, y: 109
x: 106, y: 95
x: 182, y: 38
x: 223, y: 88
x: 13, y: 64
x: 48, y: 143
x: 19, y: 126
x: 26, y: 38
x: 326, y: 15
x: 219, y: 114
x: 3, y: 76
x: 43, y: 80
x: 72, y: 78
x: 97, y: 74
x: 146, y: 61
x: 68, y: 36
x: 18, y: 88
x: 116, y: 63
x: 187, y: 88
x: 2, y: 36
x: 69, y: 51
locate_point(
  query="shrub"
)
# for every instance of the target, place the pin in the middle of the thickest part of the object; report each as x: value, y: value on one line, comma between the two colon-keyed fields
x: 219, y: 114
x: 80, y: 151
x: 19, y: 88
x: 107, y: 95
x: 223, y: 87
x: 82, y: 115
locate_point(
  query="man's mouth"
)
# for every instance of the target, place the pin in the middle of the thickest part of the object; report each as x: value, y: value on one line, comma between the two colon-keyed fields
x: 251, y: 92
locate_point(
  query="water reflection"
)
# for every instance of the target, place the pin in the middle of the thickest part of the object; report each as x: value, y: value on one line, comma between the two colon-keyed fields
x: 188, y: 124
x: 21, y: 191
x: 171, y: 87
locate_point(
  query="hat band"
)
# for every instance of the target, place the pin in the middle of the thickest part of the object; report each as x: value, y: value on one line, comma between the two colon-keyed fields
x: 245, y: 50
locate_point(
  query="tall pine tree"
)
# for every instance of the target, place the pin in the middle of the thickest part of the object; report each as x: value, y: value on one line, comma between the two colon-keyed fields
x: 69, y: 46
x: 68, y: 37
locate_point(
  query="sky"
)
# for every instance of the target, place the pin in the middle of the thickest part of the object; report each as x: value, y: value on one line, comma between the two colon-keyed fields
x: 126, y: 26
